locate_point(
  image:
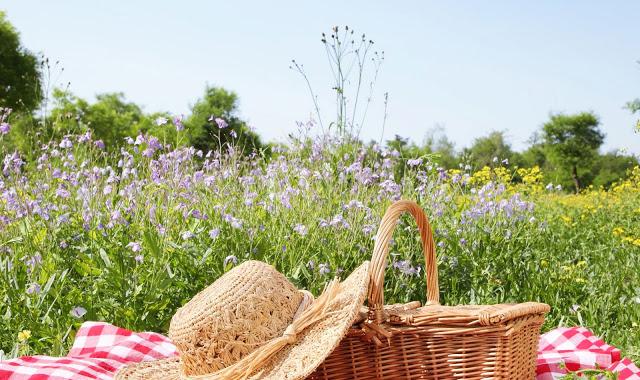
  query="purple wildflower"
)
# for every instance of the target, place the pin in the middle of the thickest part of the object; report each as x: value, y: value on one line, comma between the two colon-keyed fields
x: 139, y: 140
x: 78, y: 312
x: 301, y: 229
x: 62, y: 192
x: 235, y: 222
x: 414, y: 162
x: 99, y: 144
x: 5, y: 128
x: 33, y: 261
x: 139, y: 259
x: 135, y: 246
x: 231, y: 259
x: 186, y: 235
x: 85, y: 137
x: 148, y: 152
x: 222, y: 124
x: 66, y: 143
x: 214, y: 233
x: 323, y: 269
x: 34, y: 288
x: 405, y: 267
x: 177, y: 121
x: 284, y: 199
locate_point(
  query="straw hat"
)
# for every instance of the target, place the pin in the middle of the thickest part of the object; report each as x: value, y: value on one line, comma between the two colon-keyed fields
x: 252, y: 323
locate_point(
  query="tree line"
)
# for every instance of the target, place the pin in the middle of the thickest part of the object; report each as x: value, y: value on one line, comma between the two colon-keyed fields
x: 566, y: 148
x: 37, y: 115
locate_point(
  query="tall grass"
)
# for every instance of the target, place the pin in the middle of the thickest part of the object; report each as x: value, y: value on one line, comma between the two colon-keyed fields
x: 127, y: 238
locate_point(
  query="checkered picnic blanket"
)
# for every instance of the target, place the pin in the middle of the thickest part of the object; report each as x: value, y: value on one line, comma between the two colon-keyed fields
x: 100, y: 349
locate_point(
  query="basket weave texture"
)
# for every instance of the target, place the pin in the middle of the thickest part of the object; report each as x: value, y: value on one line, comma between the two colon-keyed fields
x: 409, y: 341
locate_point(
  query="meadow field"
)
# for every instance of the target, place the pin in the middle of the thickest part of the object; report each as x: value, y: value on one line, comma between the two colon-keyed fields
x: 127, y: 237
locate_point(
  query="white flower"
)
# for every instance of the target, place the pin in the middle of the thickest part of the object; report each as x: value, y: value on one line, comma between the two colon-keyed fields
x: 301, y: 229
x: 161, y: 121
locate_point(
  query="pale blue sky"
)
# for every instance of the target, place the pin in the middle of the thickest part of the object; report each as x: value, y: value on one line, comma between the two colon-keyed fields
x: 470, y: 66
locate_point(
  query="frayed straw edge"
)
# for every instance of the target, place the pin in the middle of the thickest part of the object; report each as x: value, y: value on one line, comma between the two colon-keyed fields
x: 242, y: 369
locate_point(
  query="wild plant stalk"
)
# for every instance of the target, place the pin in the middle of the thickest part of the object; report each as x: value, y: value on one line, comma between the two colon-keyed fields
x: 384, y: 118
x: 349, y: 63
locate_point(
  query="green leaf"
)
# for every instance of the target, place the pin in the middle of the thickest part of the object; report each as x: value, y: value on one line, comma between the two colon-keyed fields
x: 105, y: 258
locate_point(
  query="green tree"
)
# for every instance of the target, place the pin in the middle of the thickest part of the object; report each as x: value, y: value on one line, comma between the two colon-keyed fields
x: 634, y: 107
x: 572, y: 142
x: 485, y: 149
x: 111, y: 118
x: 20, y: 78
x: 611, y: 167
x: 437, y: 142
x: 214, y: 122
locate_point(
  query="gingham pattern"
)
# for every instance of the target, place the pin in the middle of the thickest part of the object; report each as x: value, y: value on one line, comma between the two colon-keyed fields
x: 100, y: 349
x: 578, y: 349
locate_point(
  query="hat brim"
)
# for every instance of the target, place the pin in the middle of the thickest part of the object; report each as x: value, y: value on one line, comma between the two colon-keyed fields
x: 295, y: 361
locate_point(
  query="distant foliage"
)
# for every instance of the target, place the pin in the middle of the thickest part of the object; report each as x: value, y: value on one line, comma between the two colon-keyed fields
x: 214, y: 123
x: 110, y: 118
x: 20, y: 77
x: 485, y: 150
x: 572, y: 142
x: 113, y: 121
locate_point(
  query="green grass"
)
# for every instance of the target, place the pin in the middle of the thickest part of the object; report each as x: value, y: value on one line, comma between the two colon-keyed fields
x: 71, y: 226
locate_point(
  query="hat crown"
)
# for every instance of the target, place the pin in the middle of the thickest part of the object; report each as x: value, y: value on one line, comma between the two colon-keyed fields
x: 247, y: 306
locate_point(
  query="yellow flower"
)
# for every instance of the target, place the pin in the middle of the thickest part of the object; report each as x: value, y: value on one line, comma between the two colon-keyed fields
x: 636, y: 242
x: 544, y: 263
x: 24, y: 335
x: 618, y: 231
x: 566, y: 219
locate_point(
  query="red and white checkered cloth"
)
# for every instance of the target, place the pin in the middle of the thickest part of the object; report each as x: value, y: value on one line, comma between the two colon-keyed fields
x: 100, y: 349
x: 577, y: 348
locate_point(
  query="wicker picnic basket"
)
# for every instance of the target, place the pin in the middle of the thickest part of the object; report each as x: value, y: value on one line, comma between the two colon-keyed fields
x: 433, y: 341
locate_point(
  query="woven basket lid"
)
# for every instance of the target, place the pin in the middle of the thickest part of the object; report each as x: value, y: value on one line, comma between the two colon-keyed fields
x: 464, y: 315
x: 247, y: 309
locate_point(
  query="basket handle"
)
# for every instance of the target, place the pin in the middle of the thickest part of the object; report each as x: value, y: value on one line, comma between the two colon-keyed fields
x: 381, y: 251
